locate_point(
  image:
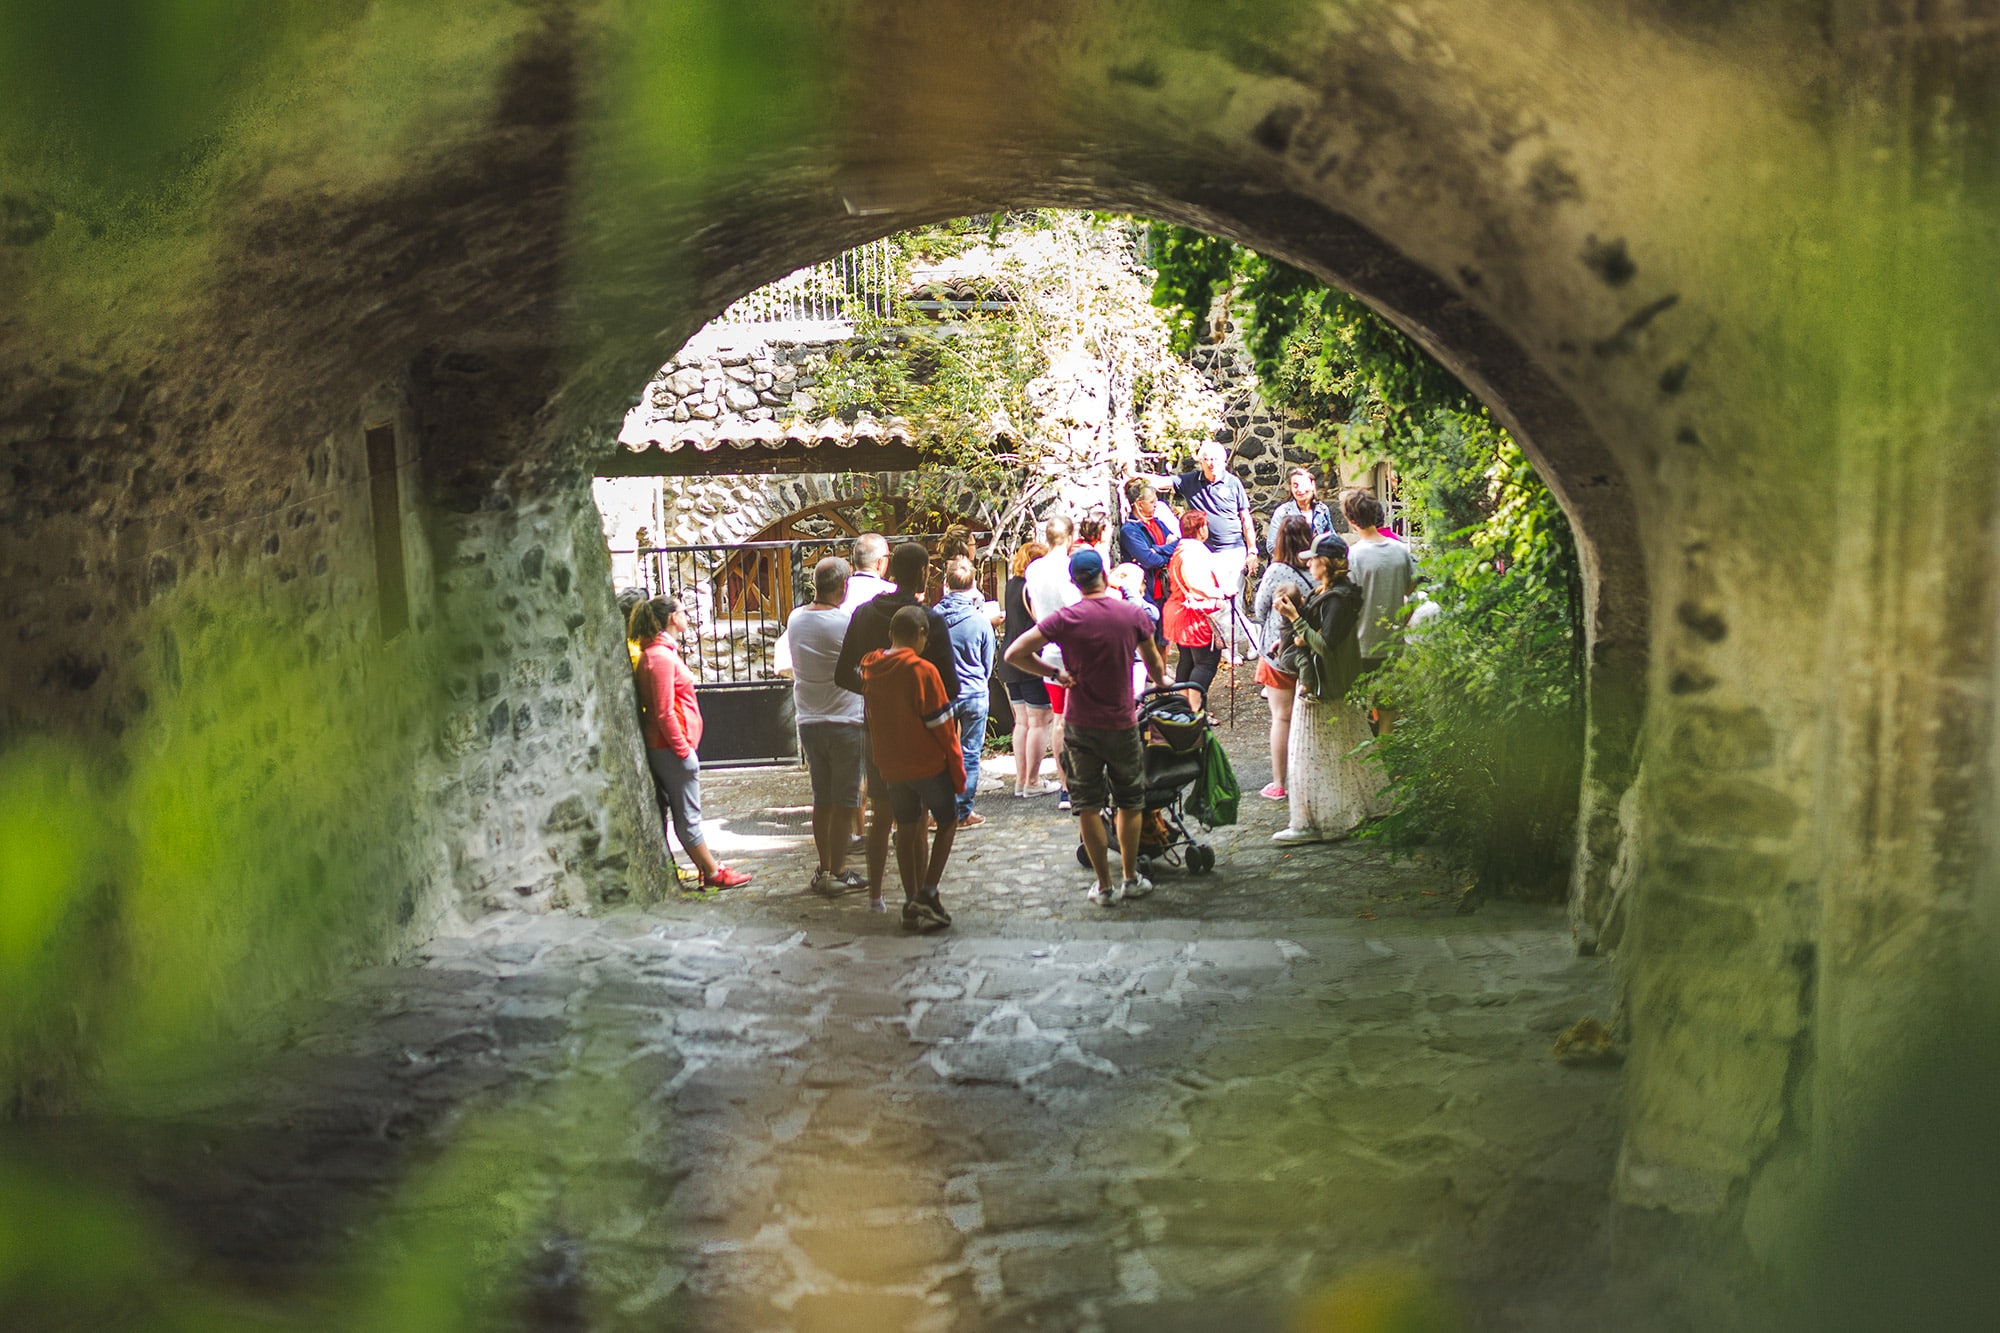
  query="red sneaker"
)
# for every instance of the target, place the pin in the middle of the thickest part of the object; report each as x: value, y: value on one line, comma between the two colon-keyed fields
x: 725, y: 878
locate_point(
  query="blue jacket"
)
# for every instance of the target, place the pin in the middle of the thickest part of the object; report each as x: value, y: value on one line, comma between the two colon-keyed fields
x: 1138, y: 546
x: 972, y: 645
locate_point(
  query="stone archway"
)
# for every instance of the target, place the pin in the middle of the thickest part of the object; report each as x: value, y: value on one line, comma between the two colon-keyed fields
x: 1640, y: 234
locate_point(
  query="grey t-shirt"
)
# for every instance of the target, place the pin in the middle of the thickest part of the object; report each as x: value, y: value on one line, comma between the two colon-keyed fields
x: 1386, y: 571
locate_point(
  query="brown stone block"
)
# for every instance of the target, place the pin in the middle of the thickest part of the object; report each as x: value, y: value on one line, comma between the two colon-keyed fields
x: 815, y: 1191
x: 1716, y: 1000
x: 1723, y: 872
x: 1722, y: 739
x: 1712, y: 925
x: 854, y: 1312
x: 1695, y: 1103
x: 1705, y: 807
x: 1011, y: 1203
x: 894, y: 1253
x: 1067, y: 1271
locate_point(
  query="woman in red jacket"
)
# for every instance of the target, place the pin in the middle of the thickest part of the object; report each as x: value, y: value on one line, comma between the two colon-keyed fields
x: 1194, y: 593
x: 671, y: 723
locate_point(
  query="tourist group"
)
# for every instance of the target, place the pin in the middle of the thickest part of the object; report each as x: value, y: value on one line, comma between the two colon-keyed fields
x: 892, y: 694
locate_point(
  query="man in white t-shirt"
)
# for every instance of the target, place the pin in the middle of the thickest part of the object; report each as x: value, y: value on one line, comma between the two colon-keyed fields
x: 1049, y: 590
x: 865, y: 584
x: 832, y: 734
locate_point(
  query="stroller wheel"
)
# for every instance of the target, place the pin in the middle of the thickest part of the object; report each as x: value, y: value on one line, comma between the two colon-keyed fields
x: 1146, y: 866
x: 1200, y: 858
x: 1083, y: 856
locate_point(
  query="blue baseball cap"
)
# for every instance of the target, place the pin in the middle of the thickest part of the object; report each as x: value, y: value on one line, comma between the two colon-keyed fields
x: 1086, y: 566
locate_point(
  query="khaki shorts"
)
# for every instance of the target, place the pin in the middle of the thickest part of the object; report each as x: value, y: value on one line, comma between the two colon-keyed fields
x: 1105, y: 766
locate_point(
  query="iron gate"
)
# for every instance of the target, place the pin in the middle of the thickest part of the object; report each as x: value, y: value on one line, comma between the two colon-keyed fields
x: 737, y: 597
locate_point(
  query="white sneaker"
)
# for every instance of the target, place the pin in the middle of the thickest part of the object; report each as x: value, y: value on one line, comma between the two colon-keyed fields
x: 1102, y: 896
x: 1296, y: 835
x: 1135, y: 888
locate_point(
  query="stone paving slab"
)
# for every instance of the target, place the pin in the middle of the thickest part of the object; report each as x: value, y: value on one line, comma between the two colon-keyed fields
x: 992, y: 1129
x: 770, y: 1111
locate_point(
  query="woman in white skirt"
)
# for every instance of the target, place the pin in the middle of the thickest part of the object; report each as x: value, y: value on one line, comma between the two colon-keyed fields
x: 1331, y: 788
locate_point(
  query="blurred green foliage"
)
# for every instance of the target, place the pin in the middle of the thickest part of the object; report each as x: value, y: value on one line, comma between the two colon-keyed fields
x: 130, y: 88
x: 246, y: 846
x: 683, y: 101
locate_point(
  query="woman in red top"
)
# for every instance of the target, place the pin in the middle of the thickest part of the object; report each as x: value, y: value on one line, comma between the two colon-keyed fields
x: 1194, y: 593
x: 671, y: 722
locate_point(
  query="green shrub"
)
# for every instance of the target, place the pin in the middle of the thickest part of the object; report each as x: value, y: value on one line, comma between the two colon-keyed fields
x: 1485, y: 756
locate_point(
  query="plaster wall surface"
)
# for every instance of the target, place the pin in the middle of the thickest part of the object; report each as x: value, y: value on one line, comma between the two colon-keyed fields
x: 1702, y: 260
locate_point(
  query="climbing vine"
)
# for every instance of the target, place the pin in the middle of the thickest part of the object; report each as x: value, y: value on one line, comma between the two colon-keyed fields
x: 1486, y: 758
x: 1009, y: 401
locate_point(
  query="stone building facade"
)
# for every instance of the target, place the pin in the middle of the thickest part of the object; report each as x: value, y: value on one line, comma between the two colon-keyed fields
x: 732, y: 381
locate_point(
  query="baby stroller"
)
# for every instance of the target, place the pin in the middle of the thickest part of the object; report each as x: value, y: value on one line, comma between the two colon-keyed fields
x: 1174, y: 733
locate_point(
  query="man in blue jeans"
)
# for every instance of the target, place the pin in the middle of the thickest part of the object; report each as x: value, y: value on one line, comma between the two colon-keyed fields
x: 972, y: 652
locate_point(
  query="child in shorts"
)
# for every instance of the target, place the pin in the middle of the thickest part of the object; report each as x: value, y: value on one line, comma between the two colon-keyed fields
x: 914, y: 736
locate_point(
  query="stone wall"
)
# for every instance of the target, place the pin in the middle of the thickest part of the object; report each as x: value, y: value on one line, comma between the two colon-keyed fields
x: 753, y: 380
x: 1263, y: 444
x: 261, y: 785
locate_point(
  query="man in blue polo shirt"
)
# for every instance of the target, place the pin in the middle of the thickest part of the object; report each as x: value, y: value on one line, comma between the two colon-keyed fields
x: 1219, y: 494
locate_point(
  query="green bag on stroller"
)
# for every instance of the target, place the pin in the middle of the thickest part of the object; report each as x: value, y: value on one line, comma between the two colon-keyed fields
x: 1216, y: 795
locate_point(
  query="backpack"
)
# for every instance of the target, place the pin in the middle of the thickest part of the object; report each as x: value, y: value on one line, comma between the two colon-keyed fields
x: 1216, y: 795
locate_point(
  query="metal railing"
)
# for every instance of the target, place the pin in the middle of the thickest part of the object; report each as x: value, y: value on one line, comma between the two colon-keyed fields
x: 841, y: 290
x: 737, y: 597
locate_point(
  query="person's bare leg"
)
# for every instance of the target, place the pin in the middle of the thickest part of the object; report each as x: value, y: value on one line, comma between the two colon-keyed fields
x: 704, y: 860
x: 1128, y: 842
x: 910, y: 857
x: 1032, y: 748
x: 838, y: 820
x: 1091, y: 826
x: 940, y: 851
x: 879, y: 826
x: 861, y: 820
x: 822, y: 819
x: 1020, y: 738
x: 1281, y: 730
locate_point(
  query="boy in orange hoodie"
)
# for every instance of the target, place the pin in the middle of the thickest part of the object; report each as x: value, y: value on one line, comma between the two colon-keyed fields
x: 914, y: 736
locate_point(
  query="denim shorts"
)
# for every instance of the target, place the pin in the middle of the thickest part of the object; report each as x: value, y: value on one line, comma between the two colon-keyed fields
x: 909, y: 800
x: 1034, y: 692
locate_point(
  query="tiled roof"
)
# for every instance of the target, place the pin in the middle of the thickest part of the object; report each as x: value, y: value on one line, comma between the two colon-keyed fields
x: 735, y: 445
x: 734, y: 433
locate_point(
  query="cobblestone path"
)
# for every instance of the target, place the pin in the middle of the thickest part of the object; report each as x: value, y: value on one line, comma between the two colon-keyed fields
x: 770, y: 1111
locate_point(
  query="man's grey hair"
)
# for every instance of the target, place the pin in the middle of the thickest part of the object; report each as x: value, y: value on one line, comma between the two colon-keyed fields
x: 830, y: 581
x: 1056, y: 530
x: 870, y: 550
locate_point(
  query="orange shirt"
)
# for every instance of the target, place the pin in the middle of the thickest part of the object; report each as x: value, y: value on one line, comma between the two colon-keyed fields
x: 668, y: 714
x: 905, y: 696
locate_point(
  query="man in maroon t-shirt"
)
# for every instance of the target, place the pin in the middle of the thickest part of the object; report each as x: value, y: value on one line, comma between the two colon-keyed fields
x: 1105, y: 760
